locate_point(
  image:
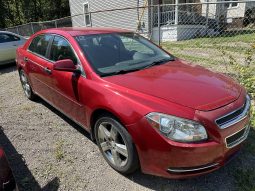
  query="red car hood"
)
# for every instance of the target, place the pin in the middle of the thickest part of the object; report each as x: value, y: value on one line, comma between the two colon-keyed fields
x: 189, y: 85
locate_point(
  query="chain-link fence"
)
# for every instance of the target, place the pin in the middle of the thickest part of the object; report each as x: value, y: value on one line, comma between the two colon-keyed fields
x: 200, y: 31
x: 162, y: 22
x: 33, y: 27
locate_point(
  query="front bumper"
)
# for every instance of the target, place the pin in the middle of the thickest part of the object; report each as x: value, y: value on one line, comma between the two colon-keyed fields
x: 163, y: 157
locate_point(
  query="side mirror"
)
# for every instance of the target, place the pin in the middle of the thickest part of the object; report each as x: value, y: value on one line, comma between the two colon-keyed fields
x: 66, y: 65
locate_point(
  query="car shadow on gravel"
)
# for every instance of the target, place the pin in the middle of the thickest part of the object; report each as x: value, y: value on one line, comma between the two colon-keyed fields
x: 65, y: 118
x: 8, y: 68
x: 24, y: 178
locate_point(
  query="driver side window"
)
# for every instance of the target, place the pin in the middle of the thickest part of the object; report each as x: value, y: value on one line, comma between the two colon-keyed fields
x: 61, y: 50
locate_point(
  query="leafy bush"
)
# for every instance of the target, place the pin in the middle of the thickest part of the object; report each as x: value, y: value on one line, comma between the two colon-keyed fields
x: 244, y: 72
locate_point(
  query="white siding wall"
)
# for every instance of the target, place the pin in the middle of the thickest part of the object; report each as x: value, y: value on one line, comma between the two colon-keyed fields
x: 76, y: 7
x: 210, y: 7
x: 236, y: 12
x: 126, y: 19
x: 231, y: 13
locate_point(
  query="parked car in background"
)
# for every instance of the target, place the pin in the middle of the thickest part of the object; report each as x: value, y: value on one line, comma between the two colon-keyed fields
x: 143, y: 106
x: 7, y: 182
x: 9, y: 42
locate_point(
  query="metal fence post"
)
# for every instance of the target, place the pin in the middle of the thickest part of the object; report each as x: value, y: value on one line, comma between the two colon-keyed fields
x: 176, y: 18
x: 207, y: 12
x: 17, y: 28
x: 32, y: 28
x: 151, y: 9
x: 159, y: 20
x: 56, y: 24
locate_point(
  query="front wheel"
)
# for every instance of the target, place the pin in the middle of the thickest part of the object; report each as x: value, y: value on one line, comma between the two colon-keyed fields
x: 26, y: 85
x: 116, y: 145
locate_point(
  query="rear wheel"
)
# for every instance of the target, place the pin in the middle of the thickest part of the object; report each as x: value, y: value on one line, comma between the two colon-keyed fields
x: 26, y: 85
x: 116, y: 145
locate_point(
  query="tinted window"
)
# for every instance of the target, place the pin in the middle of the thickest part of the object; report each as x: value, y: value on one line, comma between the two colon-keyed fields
x: 8, y: 38
x: 61, y: 50
x: 40, y: 44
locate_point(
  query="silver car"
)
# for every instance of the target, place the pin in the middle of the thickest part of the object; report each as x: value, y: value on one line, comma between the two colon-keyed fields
x: 9, y: 42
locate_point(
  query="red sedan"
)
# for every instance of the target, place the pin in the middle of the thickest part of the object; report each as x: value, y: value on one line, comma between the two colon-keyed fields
x: 143, y: 106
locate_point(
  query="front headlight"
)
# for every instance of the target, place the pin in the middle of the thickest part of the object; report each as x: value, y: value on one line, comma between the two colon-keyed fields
x: 177, y: 129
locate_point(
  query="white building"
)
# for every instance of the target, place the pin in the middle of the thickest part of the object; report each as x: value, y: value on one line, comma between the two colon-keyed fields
x: 200, y: 18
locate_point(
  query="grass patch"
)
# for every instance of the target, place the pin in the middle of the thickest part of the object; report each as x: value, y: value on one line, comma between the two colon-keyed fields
x: 197, y: 59
x: 59, y: 151
x: 235, y: 49
x: 244, y: 38
x: 26, y: 107
x: 245, y: 179
x: 236, y: 45
x: 249, y: 145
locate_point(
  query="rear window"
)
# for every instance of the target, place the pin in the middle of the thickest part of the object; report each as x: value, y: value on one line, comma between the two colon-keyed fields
x: 39, y: 44
x: 4, y: 38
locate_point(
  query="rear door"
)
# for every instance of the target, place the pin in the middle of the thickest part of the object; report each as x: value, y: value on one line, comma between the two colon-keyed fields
x: 40, y: 68
x: 8, y: 46
x: 65, y: 85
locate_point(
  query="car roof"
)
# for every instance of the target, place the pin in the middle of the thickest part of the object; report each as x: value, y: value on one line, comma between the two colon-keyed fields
x: 8, y: 32
x: 76, y: 31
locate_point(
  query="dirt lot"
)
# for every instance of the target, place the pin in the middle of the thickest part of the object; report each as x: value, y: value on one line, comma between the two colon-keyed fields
x: 49, y: 152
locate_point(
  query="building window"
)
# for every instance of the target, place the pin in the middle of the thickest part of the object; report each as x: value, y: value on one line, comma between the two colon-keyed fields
x: 231, y: 5
x: 87, y: 18
x: 234, y: 4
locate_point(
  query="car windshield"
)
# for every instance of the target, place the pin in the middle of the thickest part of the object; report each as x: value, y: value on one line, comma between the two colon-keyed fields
x: 117, y: 53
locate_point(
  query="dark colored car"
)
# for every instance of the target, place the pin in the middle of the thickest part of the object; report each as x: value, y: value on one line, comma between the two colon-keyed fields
x: 7, y: 182
x: 143, y: 106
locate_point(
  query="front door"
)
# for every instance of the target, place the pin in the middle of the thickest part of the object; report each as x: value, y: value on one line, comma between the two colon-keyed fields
x: 64, y: 88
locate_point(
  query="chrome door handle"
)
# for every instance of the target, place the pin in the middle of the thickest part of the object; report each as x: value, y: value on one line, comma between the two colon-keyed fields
x: 47, y: 70
x: 26, y: 59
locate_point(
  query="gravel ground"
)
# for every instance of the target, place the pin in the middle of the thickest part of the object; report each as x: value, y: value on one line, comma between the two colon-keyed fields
x: 49, y: 152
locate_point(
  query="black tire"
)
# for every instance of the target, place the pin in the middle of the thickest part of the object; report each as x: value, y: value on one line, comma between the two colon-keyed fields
x: 28, y: 91
x: 132, y: 162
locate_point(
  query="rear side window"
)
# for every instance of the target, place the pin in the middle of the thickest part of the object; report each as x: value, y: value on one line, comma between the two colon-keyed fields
x: 40, y: 44
x: 61, y: 49
x: 4, y: 38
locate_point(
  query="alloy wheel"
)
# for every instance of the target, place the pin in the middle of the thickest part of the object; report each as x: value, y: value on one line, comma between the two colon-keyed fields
x: 112, y: 144
x: 25, y: 84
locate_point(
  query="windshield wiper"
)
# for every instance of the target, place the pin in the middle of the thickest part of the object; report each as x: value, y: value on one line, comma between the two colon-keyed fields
x: 120, y: 72
x: 158, y: 62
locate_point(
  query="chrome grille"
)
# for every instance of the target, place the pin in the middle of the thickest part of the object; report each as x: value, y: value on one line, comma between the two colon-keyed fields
x: 237, y: 137
x: 235, y: 116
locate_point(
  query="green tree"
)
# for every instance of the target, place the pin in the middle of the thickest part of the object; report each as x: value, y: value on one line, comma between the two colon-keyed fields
x: 17, y: 12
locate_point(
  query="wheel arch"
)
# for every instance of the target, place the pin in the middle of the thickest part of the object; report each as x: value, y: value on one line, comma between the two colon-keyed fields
x: 100, y: 112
